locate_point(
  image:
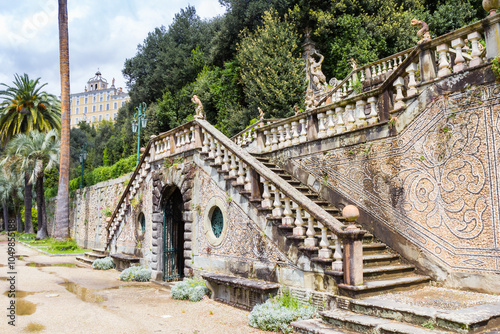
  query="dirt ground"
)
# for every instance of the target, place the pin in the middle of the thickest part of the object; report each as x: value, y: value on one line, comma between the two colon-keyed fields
x: 63, y: 299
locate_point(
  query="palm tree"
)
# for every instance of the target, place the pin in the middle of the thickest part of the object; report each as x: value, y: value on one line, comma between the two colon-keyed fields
x: 42, y: 151
x: 25, y: 107
x: 62, y: 209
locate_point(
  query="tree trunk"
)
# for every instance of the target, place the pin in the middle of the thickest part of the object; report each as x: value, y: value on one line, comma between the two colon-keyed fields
x: 40, y: 202
x: 62, y: 204
x: 5, y: 215
x: 19, y: 222
x: 28, y: 202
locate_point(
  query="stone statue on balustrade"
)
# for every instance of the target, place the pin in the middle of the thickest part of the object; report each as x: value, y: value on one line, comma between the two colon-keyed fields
x: 199, y: 107
x: 423, y: 33
x: 309, y: 100
x: 261, y: 114
x: 317, y: 79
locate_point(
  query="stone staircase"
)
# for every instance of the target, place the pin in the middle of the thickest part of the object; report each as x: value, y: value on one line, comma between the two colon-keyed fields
x: 383, y: 269
x: 90, y: 257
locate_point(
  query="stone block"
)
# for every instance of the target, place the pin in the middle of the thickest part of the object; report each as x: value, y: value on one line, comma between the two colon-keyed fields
x: 188, y: 254
x: 188, y: 236
x: 187, y: 205
x: 187, y: 216
x: 188, y: 245
x: 188, y: 227
x: 157, y: 218
x: 154, y: 250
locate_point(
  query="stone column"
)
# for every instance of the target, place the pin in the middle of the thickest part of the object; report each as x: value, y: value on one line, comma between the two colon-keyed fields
x: 353, y: 247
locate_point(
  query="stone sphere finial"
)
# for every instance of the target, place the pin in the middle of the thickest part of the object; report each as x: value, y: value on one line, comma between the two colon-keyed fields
x: 350, y: 213
x: 491, y: 6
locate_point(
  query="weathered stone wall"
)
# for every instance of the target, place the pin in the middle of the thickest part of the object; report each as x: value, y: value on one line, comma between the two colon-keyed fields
x: 432, y: 191
x: 87, y: 219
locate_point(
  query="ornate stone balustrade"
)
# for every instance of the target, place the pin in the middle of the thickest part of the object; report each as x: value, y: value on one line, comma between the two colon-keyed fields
x: 248, y: 136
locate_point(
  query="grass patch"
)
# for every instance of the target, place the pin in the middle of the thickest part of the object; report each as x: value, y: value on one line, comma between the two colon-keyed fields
x: 52, y: 246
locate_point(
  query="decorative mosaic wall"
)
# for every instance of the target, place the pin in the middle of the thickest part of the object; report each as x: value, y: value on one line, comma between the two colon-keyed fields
x: 243, y: 241
x: 436, y: 183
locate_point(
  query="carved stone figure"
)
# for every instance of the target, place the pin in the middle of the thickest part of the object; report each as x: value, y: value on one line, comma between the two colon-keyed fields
x: 318, y: 78
x: 199, y: 107
x: 261, y: 114
x: 309, y: 100
x: 423, y: 33
x: 297, y: 109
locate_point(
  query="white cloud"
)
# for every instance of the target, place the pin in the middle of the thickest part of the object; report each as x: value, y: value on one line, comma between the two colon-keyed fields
x: 102, y: 35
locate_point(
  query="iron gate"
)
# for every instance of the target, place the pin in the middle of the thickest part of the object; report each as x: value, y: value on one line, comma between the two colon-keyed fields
x: 173, y: 237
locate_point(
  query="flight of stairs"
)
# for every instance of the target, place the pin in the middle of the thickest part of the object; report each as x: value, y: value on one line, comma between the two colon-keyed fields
x: 90, y: 257
x: 383, y: 269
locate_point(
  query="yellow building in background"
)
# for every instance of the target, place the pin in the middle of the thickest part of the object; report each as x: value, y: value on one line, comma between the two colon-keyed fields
x: 98, y: 102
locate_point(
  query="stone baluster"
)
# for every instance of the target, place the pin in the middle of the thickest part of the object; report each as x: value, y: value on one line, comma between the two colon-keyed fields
x: 303, y: 130
x: 458, y: 44
x: 389, y: 65
x: 362, y: 76
x: 349, y: 110
x: 360, y: 111
x: 400, y: 58
x: 233, y: 173
x: 345, y: 89
x: 205, y: 147
x: 384, y: 67
x: 266, y: 195
x: 288, y: 135
x: 167, y: 149
x: 248, y: 178
x: 325, y: 252
x: 268, y: 141
x: 399, y: 83
x: 298, y: 230
x: 331, y: 123
x: 274, y: 142
x: 395, y: 60
x: 374, y: 71
x: 475, y: 54
x: 183, y: 138
x: 340, y: 127
x: 373, y: 116
x: 337, y: 265
x: 353, y: 247
x: 295, y: 133
x: 321, y: 125
x: 225, y: 161
x: 412, y: 83
x: 177, y: 142
x: 350, y: 84
x: 379, y: 70
x: 191, y: 137
x: 287, y: 212
x: 278, y: 207
x: 310, y: 241
x: 444, y: 65
x: 212, y: 152
x: 241, y: 173
x: 281, y: 136
x: 218, y: 154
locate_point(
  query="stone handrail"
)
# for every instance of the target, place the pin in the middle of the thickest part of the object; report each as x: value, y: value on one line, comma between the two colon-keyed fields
x: 348, y: 110
x: 248, y: 135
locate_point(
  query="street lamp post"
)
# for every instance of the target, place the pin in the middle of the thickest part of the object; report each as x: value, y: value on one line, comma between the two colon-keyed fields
x: 140, y: 121
x: 83, y: 157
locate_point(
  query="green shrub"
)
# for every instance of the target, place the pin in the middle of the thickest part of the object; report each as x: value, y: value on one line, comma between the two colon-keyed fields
x: 191, y: 288
x: 136, y: 273
x: 277, y: 313
x: 103, y: 264
x: 67, y: 245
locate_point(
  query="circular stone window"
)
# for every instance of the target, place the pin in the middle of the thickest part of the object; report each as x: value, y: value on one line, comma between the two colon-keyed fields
x: 216, y: 222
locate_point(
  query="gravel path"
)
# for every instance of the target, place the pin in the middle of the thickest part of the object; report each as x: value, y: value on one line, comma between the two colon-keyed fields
x: 58, y: 299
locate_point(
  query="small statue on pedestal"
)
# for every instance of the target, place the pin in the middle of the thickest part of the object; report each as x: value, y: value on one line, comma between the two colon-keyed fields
x: 199, y: 107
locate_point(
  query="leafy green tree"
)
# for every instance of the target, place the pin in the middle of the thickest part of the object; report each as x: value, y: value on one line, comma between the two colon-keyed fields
x: 25, y: 107
x: 272, y: 69
x: 11, y: 189
x: 41, y: 150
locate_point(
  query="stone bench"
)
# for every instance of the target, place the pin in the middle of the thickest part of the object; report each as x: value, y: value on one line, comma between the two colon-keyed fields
x: 238, y: 291
x: 123, y: 261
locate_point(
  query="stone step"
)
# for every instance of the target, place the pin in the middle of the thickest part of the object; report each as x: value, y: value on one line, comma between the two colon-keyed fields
x: 370, y: 288
x: 99, y: 251
x: 379, y: 259
x: 84, y: 260
x: 94, y: 256
x: 378, y: 272
x: 470, y: 319
x: 361, y: 323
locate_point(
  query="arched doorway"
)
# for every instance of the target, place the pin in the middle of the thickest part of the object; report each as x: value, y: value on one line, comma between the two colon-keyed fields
x: 173, y: 235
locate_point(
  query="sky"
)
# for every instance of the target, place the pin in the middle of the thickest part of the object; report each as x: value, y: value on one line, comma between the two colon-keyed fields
x: 102, y: 34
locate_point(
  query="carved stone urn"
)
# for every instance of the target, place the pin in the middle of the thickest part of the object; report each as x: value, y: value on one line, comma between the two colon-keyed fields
x: 491, y: 6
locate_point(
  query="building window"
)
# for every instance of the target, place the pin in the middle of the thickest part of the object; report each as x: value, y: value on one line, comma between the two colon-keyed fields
x: 77, y: 101
x: 100, y: 118
x: 123, y: 103
x: 107, y: 117
x: 93, y: 108
x: 84, y: 110
x: 215, y: 221
x: 76, y: 120
x: 107, y: 97
x: 141, y: 224
x: 76, y: 110
x: 115, y: 105
x: 114, y: 116
x: 86, y: 100
x: 107, y: 106
x: 100, y: 107
x: 100, y: 98
x: 93, y: 118
x: 95, y: 98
